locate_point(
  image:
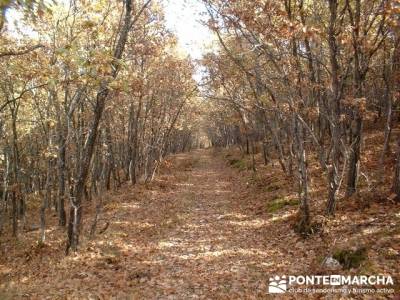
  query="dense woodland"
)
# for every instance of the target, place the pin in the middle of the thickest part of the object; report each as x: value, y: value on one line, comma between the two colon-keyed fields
x: 306, y: 77
x: 98, y: 100
x: 96, y: 96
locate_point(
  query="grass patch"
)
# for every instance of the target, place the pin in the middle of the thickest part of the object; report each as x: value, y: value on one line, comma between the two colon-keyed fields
x: 351, y: 258
x: 239, y: 164
x: 272, y: 187
x: 279, y: 203
x: 256, y: 180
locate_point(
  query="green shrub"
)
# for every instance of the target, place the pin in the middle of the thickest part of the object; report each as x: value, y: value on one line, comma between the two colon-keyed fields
x: 351, y: 258
x: 238, y: 164
x: 279, y: 203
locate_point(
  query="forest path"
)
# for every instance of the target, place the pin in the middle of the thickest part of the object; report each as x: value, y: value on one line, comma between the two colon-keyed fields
x: 184, y: 236
x: 211, y: 249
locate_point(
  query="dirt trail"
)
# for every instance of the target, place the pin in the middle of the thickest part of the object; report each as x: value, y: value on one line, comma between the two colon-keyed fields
x: 182, y: 237
x: 201, y: 230
x: 214, y: 251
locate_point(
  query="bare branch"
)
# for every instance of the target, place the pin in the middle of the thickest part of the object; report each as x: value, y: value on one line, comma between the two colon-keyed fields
x: 20, y: 51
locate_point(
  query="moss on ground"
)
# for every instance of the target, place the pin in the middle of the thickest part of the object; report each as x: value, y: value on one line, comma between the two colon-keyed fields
x: 238, y: 164
x: 351, y: 258
x: 279, y: 203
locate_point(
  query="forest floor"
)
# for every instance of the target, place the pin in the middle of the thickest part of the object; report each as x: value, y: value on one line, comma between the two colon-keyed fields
x: 206, y: 228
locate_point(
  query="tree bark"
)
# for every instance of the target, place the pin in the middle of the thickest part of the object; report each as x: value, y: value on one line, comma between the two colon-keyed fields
x: 75, y: 214
x: 333, y: 172
x: 396, y: 90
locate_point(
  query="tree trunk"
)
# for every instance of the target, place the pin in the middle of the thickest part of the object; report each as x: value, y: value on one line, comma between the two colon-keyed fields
x: 354, y: 157
x: 356, y: 124
x: 3, y: 199
x: 14, y: 214
x: 61, y: 180
x: 389, y: 110
x: 333, y: 171
x: 396, y: 90
x: 75, y: 213
x: 304, y: 221
x: 75, y: 218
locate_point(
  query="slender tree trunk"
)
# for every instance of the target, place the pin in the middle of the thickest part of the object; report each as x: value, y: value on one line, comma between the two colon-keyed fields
x: 110, y: 160
x: 304, y: 221
x: 14, y: 213
x: 61, y: 166
x: 62, y: 132
x: 388, y: 123
x: 4, y: 197
x: 354, y: 156
x: 74, y: 225
x: 333, y: 171
x: 356, y: 124
x: 45, y: 203
x: 396, y: 90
